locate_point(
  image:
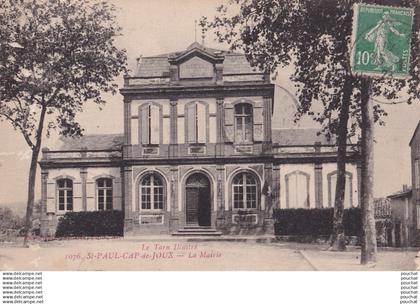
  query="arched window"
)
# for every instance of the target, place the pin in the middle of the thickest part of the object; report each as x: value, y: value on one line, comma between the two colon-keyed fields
x: 104, y: 193
x: 245, y: 191
x: 65, y: 194
x: 243, y: 123
x: 196, y: 122
x: 150, y: 124
x: 151, y: 192
x: 332, y: 183
x: 297, y: 190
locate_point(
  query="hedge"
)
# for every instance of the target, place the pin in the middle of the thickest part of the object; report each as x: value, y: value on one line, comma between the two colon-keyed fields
x: 315, y: 222
x: 91, y: 223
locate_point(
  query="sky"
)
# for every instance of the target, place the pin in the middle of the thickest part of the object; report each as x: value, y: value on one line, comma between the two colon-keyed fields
x: 163, y: 26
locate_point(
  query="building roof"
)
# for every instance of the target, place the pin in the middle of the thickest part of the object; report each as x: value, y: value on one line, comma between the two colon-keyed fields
x: 415, y: 132
x: 158, y: 66
x: 284, y: 137
x: 299, y: 137
x: 93, y: 142
x: 401, y: 194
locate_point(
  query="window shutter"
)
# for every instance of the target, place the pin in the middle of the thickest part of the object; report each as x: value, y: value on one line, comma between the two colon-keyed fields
x: 191, y: 116
x: 258, y: 123
x: 229, y: 116
x: 155, y: 125
x: 202, y: 123
x: 116, y: 194
x: 90, y: 193
x: 144, y: 125
x: 52, y: 200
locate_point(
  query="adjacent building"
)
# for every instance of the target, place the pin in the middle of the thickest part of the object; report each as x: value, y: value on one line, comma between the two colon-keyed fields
x: 406, y: 203
x: 199, y: 153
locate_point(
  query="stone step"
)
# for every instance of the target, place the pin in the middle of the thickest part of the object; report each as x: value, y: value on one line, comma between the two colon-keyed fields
x: 197, y: 231
x: 198, y: 227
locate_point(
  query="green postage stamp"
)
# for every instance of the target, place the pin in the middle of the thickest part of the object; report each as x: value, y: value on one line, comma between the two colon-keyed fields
x: 381, y: 41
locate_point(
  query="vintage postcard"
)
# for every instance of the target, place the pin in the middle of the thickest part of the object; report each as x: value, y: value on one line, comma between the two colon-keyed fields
x: 209, y: 135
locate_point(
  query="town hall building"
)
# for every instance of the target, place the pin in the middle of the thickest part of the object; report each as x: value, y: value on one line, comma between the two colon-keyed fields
x: 198, y: 155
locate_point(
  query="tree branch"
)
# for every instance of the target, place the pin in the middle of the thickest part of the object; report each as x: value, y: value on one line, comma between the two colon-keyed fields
x: 22, y: 130
x: 52, y: 97
x: 390, y: 103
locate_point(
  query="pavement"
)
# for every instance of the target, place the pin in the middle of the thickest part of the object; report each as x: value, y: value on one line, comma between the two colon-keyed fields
x: 151, y: 253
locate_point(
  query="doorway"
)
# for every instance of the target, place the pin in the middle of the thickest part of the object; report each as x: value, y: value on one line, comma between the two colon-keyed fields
x: 198, y: 200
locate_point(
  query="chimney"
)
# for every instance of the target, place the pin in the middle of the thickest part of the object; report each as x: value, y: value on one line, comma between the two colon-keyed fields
x: 405, y: 187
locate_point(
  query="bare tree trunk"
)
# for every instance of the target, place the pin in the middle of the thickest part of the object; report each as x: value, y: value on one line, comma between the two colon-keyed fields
x: 369, y: 248
x: 31, y: 195
x: 338, y: 241
x: 32, y: 178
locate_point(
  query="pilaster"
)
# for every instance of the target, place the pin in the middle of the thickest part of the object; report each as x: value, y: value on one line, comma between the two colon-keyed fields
x: 268, y: 104
x: 267, y: 124
x: 220, y: 197
x: 173, y: 197
x: 318, y: 186
x: 127, y: 127
x: 83, y: 178
x: 173, y: 140
x: 275, y: 187
x: 44, y: 218
x: 128, y: 215
x: 220, y: 118
x: 268, y: 214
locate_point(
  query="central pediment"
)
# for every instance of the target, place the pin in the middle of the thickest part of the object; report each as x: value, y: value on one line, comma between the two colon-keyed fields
x: 196, y: 62
x: 196, y: 67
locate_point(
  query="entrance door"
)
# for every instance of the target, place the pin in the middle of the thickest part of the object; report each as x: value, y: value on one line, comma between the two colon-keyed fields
x: 197, y: 197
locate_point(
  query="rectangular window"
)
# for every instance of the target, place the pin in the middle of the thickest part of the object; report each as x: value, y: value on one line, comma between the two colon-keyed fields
x: 196, y: 123
x: 69, y: 200
x: 417, y: 174
x: 146, y: 199
x: 248, y: 129
x: 158, y: 198
x: 109, y: 199
x: 191, y: 123
x: 65, y: 194
x: 251, y: 197
x: 238, y: 197
x: 154, y: 125
x: 61, y: 203
x: 243, y: 123
x: 104, y: 193
x: 239, y: 130
x: 101, y: 199
x: 150, y: 124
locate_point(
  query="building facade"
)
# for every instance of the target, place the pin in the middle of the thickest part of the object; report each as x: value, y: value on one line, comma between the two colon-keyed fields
x: 406, y: 203
x: 198, y: 152
x: 415, y: 169
x: 403, y: 219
